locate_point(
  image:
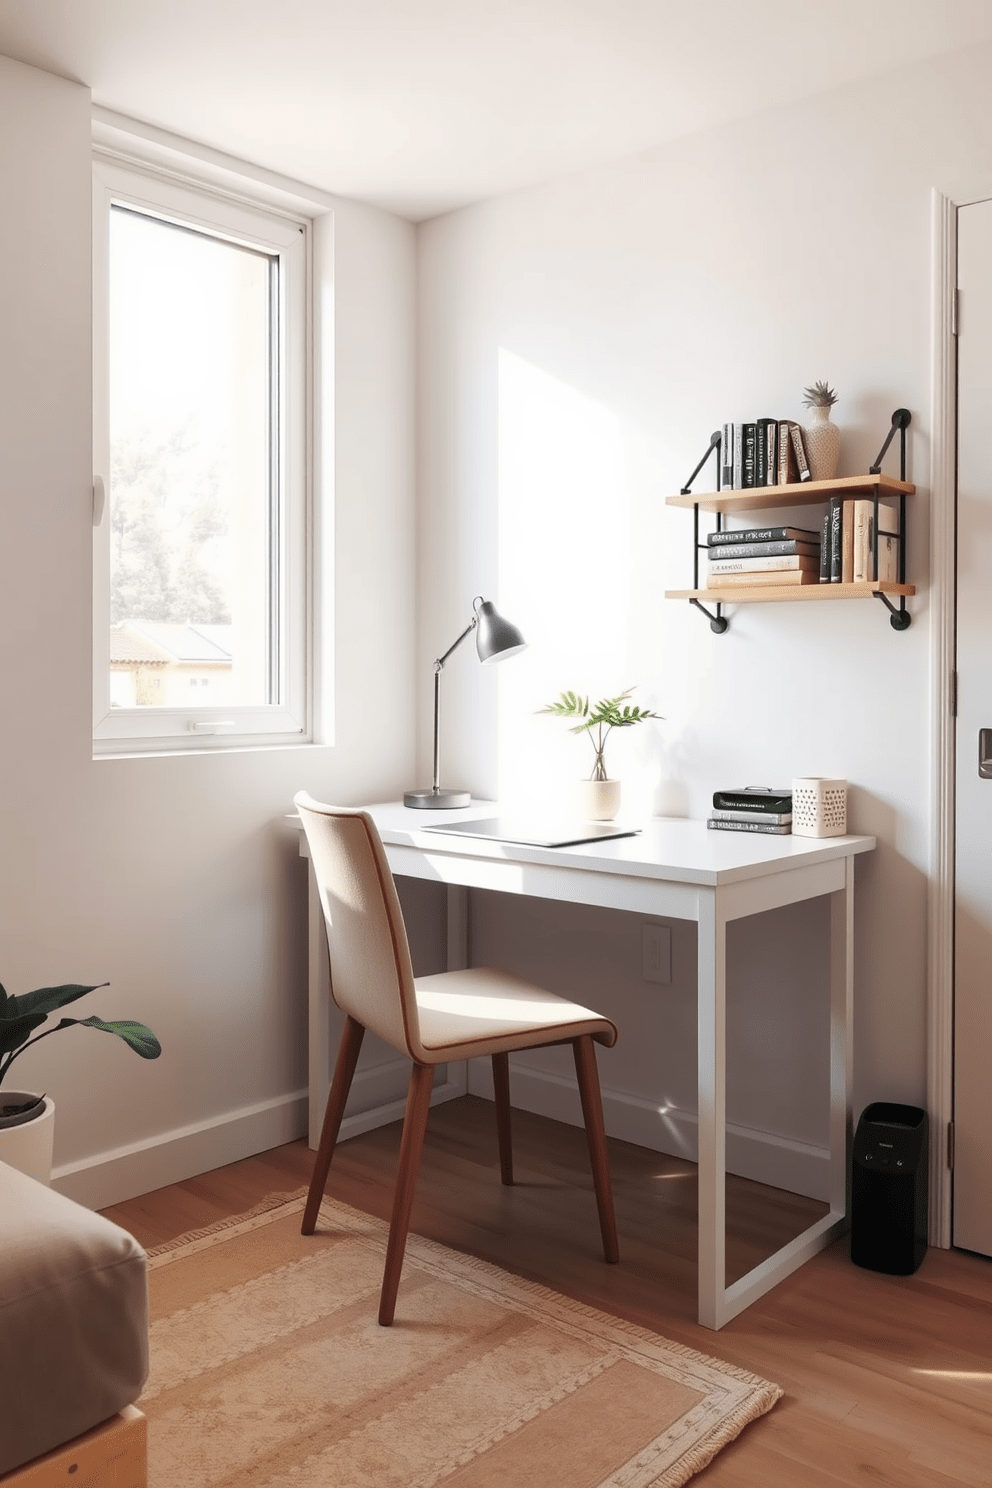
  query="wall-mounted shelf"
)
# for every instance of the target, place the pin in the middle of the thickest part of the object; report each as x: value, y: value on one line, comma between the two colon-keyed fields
x: 874, y: 486
x: 806, y: 493
x: 760, y: 594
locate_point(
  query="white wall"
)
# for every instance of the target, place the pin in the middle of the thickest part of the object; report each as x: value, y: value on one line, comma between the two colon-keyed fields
x: 579, y: 343
x: 174, y: 878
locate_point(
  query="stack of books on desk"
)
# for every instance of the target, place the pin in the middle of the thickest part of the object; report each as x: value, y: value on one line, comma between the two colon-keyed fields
x: 753, y: 808
x: 757, y: 556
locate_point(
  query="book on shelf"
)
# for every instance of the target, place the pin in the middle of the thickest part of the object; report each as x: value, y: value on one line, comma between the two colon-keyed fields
x: 727, y: 458
x: 770, y: 563
x: 763, y: 578
x: 787, y: 474
x: 863, y: 564
x: 768, y: 828
x: 786, y: 547
x: 761, y: 534
x: 738, y: 461
x: 847, y: 542
x: 825, y: 548
x: 766, y: 463
x: 836, y: 538
x: 803, y: 472
x: 753, y: 798
x: 777, y: 818
x: 749, y: 456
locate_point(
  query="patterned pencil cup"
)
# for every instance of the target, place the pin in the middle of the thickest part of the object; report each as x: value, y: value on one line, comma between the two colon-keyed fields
x: 819, y: 807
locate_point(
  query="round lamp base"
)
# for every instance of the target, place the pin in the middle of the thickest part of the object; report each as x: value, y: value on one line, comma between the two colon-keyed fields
x: 443, y: 800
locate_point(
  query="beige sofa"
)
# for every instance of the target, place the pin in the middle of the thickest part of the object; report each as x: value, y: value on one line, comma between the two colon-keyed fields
x: 73, y: 1325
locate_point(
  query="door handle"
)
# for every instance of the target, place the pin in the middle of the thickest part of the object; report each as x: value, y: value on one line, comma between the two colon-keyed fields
x: 985, y: 754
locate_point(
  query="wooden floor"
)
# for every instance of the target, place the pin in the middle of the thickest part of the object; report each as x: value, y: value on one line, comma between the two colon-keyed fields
x: 888, y: 1380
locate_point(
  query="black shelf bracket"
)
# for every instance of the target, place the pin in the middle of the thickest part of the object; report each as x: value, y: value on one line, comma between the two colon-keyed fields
x: 719, y: 621
x: 714, y: 444
x: 899, y: 618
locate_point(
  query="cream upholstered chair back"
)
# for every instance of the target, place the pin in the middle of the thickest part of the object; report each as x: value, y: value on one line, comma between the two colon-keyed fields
x: 371, y: 970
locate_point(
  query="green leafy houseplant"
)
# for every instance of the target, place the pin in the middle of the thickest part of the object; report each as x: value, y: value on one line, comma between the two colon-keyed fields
x: 598, y: 720
x: 20, y: 1016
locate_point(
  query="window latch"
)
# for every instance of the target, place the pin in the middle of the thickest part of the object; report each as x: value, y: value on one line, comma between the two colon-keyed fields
x: 209, y: 726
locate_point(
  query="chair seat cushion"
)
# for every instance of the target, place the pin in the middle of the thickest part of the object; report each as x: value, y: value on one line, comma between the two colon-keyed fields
x: 73, y: 1319
x: 484, y: 1010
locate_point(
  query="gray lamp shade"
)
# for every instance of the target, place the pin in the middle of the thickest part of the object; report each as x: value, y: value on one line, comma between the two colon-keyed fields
x: 495, y: 638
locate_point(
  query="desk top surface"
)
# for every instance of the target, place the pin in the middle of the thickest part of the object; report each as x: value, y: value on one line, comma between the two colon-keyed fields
x: 670, y: 848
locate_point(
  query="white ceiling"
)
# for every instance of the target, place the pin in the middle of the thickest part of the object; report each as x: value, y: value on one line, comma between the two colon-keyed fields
x: 420, y: 106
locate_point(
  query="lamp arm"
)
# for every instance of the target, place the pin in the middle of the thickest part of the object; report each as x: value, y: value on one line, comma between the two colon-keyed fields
x: 437, y: 699
x: 455, y: 644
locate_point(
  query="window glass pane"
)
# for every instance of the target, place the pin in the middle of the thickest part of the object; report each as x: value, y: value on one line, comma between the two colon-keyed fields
x: 193, y: 513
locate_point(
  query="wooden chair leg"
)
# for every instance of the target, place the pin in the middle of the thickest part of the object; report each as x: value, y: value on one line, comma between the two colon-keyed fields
x: 418, y: 1104
x: 504, y: 1135
x: 592, y: 1112
x: 344, y: 1071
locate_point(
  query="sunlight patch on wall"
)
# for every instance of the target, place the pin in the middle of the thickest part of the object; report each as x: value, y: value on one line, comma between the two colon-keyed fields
x: 564, y: 576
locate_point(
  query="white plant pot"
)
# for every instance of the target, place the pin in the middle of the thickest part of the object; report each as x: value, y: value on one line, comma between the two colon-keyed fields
x: 819, y: 807
x: 28, y: 1147
x: 822, y: 445
x: 599, y: 800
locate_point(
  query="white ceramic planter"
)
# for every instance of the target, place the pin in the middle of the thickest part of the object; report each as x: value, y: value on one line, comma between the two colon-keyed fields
x: 599, y: 800
x: 819, y: 807
x: 822, y: 445
x: 28, y: 1147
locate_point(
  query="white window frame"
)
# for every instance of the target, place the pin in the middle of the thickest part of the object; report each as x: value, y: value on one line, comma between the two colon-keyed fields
x: 244, y: 220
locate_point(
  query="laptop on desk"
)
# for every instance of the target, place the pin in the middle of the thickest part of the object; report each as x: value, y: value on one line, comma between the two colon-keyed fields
x: 531, y: 834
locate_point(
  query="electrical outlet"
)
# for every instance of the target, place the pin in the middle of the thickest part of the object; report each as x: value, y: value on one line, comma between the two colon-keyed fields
x: 656, y: 953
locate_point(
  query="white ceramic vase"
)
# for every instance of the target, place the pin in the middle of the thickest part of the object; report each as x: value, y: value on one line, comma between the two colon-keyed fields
x: 28, y: 1147
x: 822, y: 440
x: 599, y: 800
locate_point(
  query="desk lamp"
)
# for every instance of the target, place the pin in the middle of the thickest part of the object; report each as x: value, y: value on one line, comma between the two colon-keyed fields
x: 495, y: 639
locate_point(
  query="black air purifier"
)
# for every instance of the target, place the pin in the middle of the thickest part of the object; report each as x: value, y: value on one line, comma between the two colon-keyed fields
x: 889, y: 1189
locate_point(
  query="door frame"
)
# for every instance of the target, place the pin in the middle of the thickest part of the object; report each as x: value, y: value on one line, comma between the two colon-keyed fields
x: 943, y: 598
x: 943, y: 606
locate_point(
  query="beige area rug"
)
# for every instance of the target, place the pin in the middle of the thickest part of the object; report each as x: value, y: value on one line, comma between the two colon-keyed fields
x: 268, y: 1368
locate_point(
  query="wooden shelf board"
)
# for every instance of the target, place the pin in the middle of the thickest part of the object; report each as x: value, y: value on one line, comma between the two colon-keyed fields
x: 806, y: 493
x: 770, y: 593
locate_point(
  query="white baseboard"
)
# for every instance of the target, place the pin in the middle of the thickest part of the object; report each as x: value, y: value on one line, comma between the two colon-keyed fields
x: 125, y: 1172
x: 761, y: 1156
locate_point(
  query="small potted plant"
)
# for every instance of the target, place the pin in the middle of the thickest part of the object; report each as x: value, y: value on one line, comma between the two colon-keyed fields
x: 27, y: 1119
x: 601, y: 795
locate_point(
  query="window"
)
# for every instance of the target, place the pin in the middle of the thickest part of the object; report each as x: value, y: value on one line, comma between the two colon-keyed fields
x: 200, y: 393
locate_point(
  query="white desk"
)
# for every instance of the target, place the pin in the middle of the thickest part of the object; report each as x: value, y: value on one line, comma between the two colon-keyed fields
x: 677, y: 869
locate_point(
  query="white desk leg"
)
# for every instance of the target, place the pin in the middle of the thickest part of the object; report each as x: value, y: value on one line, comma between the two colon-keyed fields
x: 320, y: 1012
x: 457, y: 960
x: 841, y: 1039
x: 712, y: 1055
x: 457, y: 928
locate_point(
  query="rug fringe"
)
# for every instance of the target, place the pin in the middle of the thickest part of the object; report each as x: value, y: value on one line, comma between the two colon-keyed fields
x: 271, y: 1201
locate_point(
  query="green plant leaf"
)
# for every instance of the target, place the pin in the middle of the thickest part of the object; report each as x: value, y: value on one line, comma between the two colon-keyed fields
x: 568, y: 705
x: 46, y: 999
x: 15, y: 1031
x: 136, y: 1035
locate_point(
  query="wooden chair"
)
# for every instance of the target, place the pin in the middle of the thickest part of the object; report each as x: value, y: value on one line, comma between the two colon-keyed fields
x: 434, y: 1019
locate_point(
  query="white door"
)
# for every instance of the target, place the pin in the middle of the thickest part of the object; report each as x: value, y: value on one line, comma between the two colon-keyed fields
x: 972, y: 1203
